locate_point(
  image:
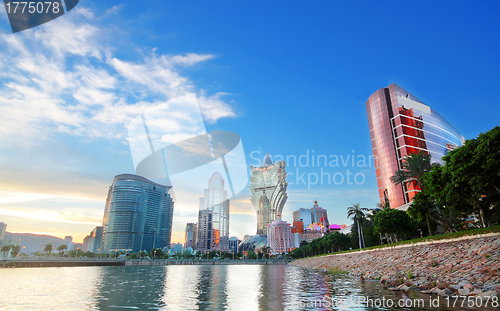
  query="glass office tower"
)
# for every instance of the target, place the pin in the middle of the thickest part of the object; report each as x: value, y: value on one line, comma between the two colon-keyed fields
x: 137, y: 216
x: 400, y: 124
x: 268, y: 187
x: 213, y: 218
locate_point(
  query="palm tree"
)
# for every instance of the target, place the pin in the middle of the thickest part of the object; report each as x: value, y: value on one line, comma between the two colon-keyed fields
x: 356, y: 213
x: 413, y: 170
x: 62, y: 248
x: 5, y: 249
x: 48, y: 248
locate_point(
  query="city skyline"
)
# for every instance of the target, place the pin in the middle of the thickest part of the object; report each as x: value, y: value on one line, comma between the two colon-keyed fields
x: 293, y: 89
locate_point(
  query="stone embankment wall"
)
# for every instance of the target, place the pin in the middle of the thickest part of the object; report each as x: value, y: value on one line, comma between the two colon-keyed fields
x: 202, y: 263
x: 466, y: 266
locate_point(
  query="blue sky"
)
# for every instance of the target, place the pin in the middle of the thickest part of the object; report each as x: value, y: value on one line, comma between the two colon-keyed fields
x: 289, y: 77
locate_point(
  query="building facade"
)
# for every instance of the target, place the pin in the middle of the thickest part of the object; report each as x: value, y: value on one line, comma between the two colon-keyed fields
x: 213, y: 217
x: 92, y: 242
x: 279, y: 237
x: 233, y: 244
x: 309, y: 224
x: 312, y: 218
x: 3, y: 229
x: 400, y: 125
x: 138, y: 215
x: 68, y: 241
x: 268, y: 192
x: 189, y: 236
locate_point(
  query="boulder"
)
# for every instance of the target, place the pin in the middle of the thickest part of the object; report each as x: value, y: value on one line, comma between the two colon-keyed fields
x: 463, y: 292
x: 475, y: 292
x: 445, y: 292
x: 469, y: 286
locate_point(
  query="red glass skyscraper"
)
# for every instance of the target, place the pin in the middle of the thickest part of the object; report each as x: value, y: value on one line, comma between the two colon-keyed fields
x: 400, y: 124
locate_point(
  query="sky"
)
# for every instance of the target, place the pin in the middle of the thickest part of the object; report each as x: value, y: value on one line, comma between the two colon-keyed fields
x: 291, y: 78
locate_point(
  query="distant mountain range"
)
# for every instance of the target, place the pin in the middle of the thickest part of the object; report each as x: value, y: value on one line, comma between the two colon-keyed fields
x: 30, y: 241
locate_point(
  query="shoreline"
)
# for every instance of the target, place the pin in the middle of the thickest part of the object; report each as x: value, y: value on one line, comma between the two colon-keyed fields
x: 465, y: 266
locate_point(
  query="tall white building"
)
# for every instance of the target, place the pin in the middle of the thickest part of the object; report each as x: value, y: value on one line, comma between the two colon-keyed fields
x: 268, y: 188
x: 213, y: 218
x: 68, y: 241
x: 279, y: 236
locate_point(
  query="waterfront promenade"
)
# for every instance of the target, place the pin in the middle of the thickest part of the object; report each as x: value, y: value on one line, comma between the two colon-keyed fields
x: 84, y: 262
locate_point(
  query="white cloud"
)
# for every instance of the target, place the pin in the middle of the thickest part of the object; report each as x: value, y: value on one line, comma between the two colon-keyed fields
x: 61, y: 77
x: 214, y: 108
x: 114, y: 9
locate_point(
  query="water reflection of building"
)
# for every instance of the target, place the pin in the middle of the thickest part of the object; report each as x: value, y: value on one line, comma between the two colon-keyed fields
x: 138, y: 215
x: 272, y: 291
x: 400, y: 125
x: 213, y: 217
x: 268, y: 188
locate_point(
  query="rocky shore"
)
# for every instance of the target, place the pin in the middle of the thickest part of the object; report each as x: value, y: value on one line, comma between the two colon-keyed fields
x: 464, y: 266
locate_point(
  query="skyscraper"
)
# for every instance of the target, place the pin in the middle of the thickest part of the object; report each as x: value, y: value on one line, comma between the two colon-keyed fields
x: 233, y: 244
x: 137, y: 216
x: 268, y: 188
x: 68, y: 241
x: 400, y: 124
x: 188, y: 238
x: 213, y: 217
x: 94, y: 241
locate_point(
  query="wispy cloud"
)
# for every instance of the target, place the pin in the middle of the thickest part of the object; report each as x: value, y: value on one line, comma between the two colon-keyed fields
x: 63, y: 86
x: 63, y: 78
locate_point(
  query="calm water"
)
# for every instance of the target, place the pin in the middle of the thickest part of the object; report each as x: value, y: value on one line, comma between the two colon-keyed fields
x: 191, y: 288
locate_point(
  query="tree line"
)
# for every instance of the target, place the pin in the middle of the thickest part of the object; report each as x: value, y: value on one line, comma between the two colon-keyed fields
x: 461, y: 193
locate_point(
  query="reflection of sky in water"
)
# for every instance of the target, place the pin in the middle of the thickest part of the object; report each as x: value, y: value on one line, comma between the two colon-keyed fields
x: 245, y: 287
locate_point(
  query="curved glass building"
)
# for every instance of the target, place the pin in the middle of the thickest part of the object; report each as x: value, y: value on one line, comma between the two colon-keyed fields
x: 401, y: 124
x: 252, y: 242
x: 268, y: 187
x: 137, y: 216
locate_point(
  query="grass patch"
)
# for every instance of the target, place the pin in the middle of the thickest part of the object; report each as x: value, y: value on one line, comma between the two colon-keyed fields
x: 336, y: 271
x: 448, y: 236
